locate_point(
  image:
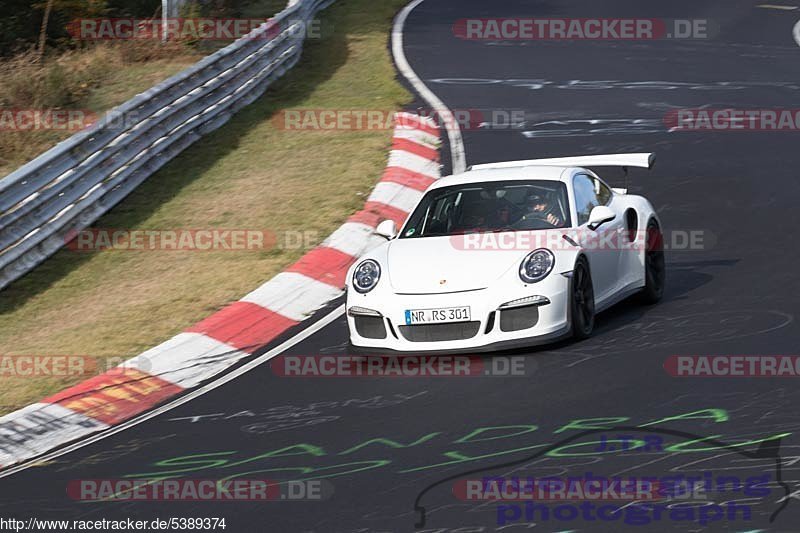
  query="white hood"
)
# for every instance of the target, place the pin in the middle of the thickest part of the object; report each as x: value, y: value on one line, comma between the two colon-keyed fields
x: 434, y: 265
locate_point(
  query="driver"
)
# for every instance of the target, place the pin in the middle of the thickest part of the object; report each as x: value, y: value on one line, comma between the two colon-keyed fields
x: 541, y: 207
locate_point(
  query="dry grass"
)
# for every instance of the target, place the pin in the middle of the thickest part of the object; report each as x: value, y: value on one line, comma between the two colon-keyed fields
x: 96, y: 79
x: 249, y: 174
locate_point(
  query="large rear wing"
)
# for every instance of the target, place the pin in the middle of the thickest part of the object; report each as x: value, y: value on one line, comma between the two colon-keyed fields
x: 641, y: 160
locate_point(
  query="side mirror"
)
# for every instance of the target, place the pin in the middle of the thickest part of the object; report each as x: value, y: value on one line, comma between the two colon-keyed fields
x: 386, y: 229
x: 600, y: 215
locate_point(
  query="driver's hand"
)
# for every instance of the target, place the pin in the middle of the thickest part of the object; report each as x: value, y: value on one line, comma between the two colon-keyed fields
x: 554, y: 220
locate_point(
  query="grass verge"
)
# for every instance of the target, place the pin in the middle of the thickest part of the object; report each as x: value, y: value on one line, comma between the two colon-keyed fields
x: 94, y: 79
x: 249, y: 174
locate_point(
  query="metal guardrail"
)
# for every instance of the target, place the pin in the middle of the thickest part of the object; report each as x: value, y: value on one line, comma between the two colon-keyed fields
x: 68, y: 187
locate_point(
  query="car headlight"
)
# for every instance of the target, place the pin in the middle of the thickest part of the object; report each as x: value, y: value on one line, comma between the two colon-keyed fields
x: 536, y: 265
x: 366, y: 276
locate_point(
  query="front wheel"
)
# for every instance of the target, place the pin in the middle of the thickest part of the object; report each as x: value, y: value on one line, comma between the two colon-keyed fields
x: 654, y: 265
x: 582, y: 301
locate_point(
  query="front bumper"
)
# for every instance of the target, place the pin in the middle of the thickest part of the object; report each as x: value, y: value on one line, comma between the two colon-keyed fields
x: 379, y: 320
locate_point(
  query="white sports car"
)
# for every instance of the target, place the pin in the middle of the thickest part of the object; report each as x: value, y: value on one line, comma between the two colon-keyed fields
x: 507, y: 254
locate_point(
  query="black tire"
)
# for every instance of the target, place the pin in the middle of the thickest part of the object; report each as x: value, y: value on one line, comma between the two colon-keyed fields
x: 581, y: 301
x: 654, y: 265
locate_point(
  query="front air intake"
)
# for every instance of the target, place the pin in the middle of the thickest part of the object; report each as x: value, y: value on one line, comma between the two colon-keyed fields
x: 519, y: 318
x: 453, y: 331
x: 370, y: 327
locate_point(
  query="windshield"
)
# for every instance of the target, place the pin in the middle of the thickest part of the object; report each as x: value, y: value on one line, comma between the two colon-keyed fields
x: 493, y: 206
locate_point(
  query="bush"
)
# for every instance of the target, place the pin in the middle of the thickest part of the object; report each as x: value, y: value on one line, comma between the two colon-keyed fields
x: 60, y: 82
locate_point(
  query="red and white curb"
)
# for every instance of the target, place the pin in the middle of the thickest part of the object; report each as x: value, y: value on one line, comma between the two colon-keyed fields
x: 221, y: 340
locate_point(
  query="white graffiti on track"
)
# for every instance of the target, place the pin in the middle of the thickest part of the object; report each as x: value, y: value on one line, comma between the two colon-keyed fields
x: 592, y: 126
x: 117, y: 451
x: 536, y: 84
x: 287, y: 417
x: 653, y: 331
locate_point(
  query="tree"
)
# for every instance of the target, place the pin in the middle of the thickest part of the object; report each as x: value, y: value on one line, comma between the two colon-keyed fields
x: 43, y: 31
x: 68, y: 10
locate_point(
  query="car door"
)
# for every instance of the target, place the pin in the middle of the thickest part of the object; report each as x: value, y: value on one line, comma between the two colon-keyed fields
x: 600, y: 244
x: 620, y: 242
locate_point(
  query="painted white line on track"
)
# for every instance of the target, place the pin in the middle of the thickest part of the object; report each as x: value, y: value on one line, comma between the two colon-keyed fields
x: 301, y: 336
x: 457, y: 153
x: 777, y: 6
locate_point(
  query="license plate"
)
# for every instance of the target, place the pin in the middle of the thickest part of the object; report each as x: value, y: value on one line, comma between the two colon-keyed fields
x: 436, y: 316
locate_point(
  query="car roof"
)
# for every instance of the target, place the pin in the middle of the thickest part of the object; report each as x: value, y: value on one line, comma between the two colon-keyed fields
x: 537, y: 172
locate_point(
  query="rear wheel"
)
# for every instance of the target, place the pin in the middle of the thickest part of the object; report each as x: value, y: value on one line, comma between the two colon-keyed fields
x: 654, y: 265
x: 582, y: 301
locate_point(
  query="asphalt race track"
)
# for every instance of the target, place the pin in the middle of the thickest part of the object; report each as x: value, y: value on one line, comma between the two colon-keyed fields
x: 384, y: 444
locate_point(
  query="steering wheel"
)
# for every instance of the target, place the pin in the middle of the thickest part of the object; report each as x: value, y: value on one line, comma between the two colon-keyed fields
x: 520, y: 224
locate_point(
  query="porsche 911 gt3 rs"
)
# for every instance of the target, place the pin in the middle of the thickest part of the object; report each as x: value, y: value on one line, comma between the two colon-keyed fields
x: 507, y: 254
